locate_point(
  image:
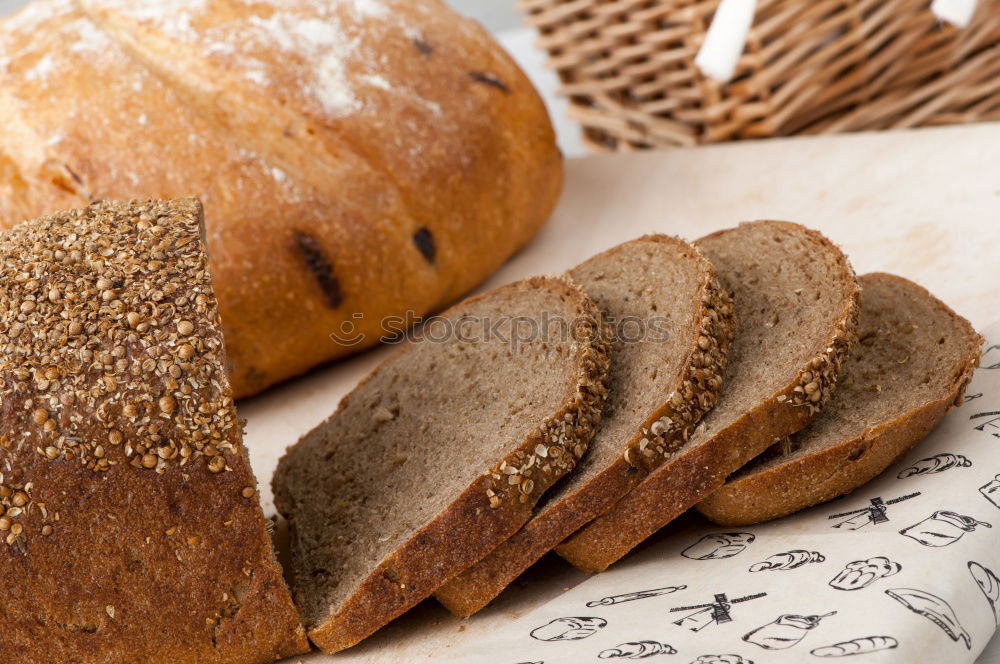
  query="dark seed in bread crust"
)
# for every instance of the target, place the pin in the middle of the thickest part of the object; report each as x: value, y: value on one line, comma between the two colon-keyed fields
x: 755, y: 408
x: 654, y: 276
x: 423, y: 518
x: 913, y: 362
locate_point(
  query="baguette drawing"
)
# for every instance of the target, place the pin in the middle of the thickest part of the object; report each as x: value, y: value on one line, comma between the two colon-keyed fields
x: 861, y: 646
x: 788, y: 560
x: 935, y: 464
x: 637, y: 650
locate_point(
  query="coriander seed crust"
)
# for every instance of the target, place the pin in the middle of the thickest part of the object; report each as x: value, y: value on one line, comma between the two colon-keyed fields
x: 109, y: 437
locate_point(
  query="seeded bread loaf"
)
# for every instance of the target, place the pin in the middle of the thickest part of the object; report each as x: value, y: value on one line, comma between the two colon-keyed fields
x: 671, y: 327
x: 357, y: 160
x: 129, y: 524
x: 796, y: 301
x: 912, y: 364
x: 440, y: 454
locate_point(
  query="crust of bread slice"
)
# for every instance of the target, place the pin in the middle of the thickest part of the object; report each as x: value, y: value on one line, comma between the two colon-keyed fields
x: 831, y: 457
x: 720, y: 444
x: 488, y: 510
x: 703, y: 335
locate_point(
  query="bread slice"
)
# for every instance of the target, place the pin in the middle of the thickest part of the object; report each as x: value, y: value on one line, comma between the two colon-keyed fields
x: 440, y: 454
x: 672, y: 326
x: 913, y: 362
x: 130, y: 527
x: 796, y: 301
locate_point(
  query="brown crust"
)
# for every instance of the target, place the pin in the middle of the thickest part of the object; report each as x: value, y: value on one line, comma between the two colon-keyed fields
x: 689, y: 477
x: 474, y: 165
x: 485, y: 513
x: 697, y: 389
x: 834, y: 471
x: 138, y: 536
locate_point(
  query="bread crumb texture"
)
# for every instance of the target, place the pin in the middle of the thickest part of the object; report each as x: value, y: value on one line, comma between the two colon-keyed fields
x: 447, y: 446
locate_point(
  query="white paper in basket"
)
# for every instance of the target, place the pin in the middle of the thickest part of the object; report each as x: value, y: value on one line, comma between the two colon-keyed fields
x: 904, y: 569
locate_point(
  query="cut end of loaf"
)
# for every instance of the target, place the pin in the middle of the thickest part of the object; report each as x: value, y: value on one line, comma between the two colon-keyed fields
x: 913, y: 362
x: 122, y: 445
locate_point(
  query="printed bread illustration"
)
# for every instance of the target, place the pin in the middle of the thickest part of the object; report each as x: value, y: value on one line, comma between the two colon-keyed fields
x: 989, y: 584
x: 447, y: 446
x: 857, y: 647
x: 938, y: 463
x: 569, y: 629
x: 788, y: 560
x: 862, y: 573
x: 934, y: 609
x: 357, y: 160
x: 637, y: 650
x: 128, y: 497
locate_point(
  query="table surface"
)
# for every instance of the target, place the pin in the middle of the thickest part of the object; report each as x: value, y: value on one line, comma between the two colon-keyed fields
x: 924, y: 204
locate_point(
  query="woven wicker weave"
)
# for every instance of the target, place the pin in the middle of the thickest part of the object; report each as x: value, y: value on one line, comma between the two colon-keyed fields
x: 810, y: 66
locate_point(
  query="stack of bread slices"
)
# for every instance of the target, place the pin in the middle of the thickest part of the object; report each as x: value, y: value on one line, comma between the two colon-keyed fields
x: 749, y: 374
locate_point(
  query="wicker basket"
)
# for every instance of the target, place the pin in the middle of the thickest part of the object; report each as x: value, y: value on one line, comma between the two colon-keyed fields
x: 809, y: 67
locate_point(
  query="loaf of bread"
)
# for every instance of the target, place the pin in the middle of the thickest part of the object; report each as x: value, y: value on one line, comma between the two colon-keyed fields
x: 914, y: 360
x: 797, y: 302
x: 671, y: 328
x: 356, y: 160
x: 440, y: 454
x: 130, y: 529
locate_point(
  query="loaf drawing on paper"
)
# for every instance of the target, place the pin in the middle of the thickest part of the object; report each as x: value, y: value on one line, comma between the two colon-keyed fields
x: 935, y: 609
